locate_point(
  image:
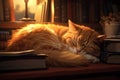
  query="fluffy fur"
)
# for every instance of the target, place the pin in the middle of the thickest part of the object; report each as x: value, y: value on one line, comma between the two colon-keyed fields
x: 72, y: 45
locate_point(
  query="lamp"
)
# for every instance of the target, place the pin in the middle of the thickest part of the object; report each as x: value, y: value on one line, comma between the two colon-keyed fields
x: 26, y: 17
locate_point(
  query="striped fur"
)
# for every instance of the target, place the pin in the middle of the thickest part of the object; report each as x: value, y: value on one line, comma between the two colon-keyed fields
x: 71, y: 45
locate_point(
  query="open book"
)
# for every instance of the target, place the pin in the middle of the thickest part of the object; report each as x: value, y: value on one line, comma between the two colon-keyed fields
x: 22, y: 60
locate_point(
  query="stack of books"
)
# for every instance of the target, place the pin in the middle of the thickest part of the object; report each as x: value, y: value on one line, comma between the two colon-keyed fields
x: 22, y: 60
x: 5, y: 35
x: 111, y: 51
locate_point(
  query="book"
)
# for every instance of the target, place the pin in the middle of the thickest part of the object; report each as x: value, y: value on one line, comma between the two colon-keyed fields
x: 22, y: 60
x: 94, y: 11
x: 3, y: 45
x: 111, y: 57
x: 57, y: 10
x: 69, y: 9
x: 85, y: 11
x: 12, y: 11
x: 1, y: 11
x: 6, y: 10
x: 111, y: 51
x: 4, y: 37
x: 64, y: 11
x: 112, y: 45
x: 78, y: 11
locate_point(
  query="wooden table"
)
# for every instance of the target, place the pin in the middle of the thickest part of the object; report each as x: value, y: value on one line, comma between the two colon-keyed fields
x: 99, y: 71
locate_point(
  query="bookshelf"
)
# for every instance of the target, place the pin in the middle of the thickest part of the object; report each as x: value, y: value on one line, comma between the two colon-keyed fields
x: 83, y: 11
x: 79, y: 11
x: 7, y: 10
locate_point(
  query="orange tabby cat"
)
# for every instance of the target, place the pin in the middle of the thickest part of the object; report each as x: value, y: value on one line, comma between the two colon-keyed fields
x: 65, y: 46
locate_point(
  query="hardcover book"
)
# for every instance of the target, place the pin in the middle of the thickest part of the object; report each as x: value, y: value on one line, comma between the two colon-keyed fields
x: 57, y: 9
x: 109, y: 57
x: 1, y: 11
x: 22, y: 60
x: 4, y: 37
x: 111, y: 51
x: 112, y: 45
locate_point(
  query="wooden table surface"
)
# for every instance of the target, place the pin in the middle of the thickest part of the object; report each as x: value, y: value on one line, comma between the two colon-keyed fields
x: 61, y: 71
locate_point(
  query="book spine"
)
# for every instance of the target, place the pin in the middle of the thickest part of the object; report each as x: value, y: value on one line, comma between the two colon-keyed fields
x: 1, y: 11
x: 110, y: 57
x: 78, y: 11
x: 4, y: 37
x: 74, y: 10
x: 101, y: 8
x: 85, y: 11
x: 111, y: 46
x: 107, y: 7
x: 64, y: 11
x: 94, y: 16
x: 92, y: 12
x: 57, y: 10
x: 3, y: 45
x: 8, y: 9
x: 12, y: 12
x: 97, y: 12
x: 69, y: 10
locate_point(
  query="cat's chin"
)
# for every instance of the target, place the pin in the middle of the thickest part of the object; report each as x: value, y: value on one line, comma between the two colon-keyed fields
x: 73, y: 50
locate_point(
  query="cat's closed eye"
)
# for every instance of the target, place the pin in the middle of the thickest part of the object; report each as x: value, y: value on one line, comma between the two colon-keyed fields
x: 71, y: 42
x: 82, y: 42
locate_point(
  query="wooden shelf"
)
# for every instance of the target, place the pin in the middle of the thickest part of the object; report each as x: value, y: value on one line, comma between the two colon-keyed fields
x: 14, y: 25
x: 92, y: 72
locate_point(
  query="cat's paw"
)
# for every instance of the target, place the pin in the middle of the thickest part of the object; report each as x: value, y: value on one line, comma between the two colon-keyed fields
x: 91, y: 58
x: 95, y: 60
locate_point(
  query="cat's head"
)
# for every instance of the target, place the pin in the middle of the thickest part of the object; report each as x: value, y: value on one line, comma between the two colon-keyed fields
x: 80, y: 38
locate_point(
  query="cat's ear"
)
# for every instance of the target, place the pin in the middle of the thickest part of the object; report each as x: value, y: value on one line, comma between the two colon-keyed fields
x: 101, y: 38
x: 72, y: 26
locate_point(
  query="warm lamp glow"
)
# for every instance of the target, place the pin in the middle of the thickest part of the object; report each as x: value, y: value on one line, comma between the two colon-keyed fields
x: 31, y: 5
x: 19, y: 7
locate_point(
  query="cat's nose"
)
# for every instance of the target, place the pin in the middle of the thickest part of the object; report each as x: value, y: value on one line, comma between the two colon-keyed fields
x: 78, y: 51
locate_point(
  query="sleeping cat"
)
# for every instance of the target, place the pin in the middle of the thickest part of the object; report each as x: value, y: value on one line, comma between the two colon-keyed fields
x: 72, y: 45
